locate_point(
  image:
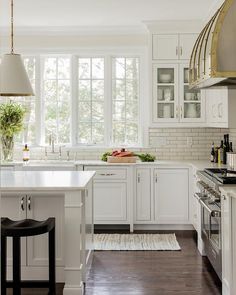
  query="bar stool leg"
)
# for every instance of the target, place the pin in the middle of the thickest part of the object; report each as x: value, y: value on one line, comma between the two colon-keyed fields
x: 16, y: 266
x: 3, y: 265
x: 52, y: 262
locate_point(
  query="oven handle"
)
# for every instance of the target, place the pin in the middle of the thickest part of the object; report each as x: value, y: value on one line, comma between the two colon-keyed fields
x: 198, y: 196
x: 205, y: 206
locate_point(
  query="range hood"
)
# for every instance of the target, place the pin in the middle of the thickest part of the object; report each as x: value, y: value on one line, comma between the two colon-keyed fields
x: 213, y: 59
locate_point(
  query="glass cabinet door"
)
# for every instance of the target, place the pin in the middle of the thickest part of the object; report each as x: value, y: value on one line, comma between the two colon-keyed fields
x: 191, y: 108
x: 165, y: 93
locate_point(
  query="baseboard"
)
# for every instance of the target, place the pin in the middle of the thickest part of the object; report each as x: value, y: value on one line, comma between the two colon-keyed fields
x: 163, y: 227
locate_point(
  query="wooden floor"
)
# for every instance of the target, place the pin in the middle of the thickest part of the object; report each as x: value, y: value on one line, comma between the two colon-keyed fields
x: 182, y: 272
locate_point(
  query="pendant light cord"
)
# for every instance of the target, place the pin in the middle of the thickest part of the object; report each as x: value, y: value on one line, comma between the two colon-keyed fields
x: 12, y: 29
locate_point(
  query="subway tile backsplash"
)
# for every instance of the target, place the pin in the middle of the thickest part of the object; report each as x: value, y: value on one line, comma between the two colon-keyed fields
x: 186, y: 143
x: 165, y: 143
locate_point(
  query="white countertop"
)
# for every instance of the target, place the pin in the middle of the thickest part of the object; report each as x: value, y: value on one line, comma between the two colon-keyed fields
x: 197, y: 164
x: 45, y: 180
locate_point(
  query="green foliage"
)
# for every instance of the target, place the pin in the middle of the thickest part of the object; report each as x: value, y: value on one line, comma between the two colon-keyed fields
x: 146, y: 157
x: 105, y: 155
x: 11, y: 119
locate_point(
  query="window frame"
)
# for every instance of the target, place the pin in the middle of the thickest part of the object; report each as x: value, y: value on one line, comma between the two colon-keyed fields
x: 108, y: 55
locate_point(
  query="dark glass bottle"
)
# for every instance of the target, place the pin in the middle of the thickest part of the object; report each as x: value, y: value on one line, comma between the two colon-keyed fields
x: 225, y: 150
x: 212, y: 153
x: 227, y: 143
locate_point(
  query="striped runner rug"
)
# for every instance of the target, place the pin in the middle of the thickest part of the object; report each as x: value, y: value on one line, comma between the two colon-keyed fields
x: 136, y: 242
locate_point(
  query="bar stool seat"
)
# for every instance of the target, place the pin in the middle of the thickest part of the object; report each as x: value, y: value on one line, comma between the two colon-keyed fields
x: 26, y: 228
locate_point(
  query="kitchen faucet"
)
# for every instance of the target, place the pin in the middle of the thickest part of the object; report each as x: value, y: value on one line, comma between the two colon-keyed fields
x: 52, y: 142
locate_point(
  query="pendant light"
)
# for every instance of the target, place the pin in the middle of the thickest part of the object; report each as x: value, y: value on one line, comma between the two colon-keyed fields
x: 14, y: 80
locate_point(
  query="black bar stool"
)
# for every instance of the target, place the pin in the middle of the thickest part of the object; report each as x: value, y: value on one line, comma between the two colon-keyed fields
x: 26, y: 228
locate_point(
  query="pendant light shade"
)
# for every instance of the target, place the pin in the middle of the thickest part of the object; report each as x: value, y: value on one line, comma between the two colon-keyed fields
x: 14, y: 80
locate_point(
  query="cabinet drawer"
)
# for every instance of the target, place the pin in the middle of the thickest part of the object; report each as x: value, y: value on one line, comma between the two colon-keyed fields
x: 104, y: 173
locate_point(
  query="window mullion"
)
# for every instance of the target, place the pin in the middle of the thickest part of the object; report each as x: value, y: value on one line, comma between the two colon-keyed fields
x: 74, y: 100
x: 108, y: 100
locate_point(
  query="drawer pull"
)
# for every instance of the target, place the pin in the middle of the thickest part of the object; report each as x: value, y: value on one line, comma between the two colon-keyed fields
x: 107, y: 174
x: 22, y: 204
x: 29, y: 203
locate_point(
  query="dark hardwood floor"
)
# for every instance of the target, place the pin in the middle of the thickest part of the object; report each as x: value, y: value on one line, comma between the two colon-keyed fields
x: 182, y: 272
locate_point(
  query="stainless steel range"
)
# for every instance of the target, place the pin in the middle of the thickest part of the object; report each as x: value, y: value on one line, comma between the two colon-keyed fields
x: 210, y: 199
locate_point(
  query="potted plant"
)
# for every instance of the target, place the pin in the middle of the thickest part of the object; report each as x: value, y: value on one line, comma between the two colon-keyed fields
x: 11, y: 123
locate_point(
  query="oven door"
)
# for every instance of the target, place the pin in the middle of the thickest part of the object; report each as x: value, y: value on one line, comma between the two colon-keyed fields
x: 205, y: 220
x: 215, y: 229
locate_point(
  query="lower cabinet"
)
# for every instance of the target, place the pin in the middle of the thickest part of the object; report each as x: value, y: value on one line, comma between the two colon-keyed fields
x: 13, y: 207
x: 39, y: 207
x: 113, y: 194
x: 171, y: 196
x: 162, y: 196
x: 143, y: 194
x: 226, y: 224
x: 110, y: 202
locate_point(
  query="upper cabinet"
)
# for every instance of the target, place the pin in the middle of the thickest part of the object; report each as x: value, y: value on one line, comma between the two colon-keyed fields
x: 173, y: 100
x: 220, y: 107
x: 172, y: 46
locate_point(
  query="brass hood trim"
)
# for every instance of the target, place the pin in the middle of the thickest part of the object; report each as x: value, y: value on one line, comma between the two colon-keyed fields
x: 204, y: 68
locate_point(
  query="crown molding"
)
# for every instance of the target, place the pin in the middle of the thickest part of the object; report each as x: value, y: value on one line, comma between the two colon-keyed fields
x: 76, y: 30
x: 174, y: 26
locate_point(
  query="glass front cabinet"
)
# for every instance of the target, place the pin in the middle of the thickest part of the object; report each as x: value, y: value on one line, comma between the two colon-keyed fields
x: 173, y: 101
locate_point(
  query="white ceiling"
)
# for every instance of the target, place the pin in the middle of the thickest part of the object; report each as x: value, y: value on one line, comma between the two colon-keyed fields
x: 83, y: 13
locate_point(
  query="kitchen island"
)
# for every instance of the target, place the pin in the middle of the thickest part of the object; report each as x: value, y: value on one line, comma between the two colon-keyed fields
x: 23, y: 192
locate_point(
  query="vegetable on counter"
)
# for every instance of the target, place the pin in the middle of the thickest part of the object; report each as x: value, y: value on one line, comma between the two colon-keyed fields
x: 146, y: 157
x: 117, y: 153
x: 105, y: 155
x: 122, y: 153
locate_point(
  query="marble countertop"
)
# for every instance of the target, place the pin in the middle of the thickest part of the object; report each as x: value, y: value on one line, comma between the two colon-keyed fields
x: 45, y: 180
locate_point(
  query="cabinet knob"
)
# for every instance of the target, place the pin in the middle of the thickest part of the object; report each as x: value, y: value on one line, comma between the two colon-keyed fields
x: 139, y: 178
x: 224, y: 198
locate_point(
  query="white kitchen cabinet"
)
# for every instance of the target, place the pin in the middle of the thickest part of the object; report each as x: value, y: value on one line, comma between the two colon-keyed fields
x: 191, y: 107
x: 41, y: 207
x: 13, y: 206
x: 110, y: 202
x: 165, y: 93
x: 220, y: 107
x: 226, y: 209
x: 143, y: 194
x: 165, y: 46
x: 113, y: 194
x: 172, y: 46
x: 171, y: 196
x: 173, y: 100
x: 186, y: 43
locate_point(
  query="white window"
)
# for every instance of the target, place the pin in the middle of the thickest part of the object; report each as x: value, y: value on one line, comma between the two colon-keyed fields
x: 91, y: 119
x: 125, y: 100
x: 56, y: 99
x: 100, y: 101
